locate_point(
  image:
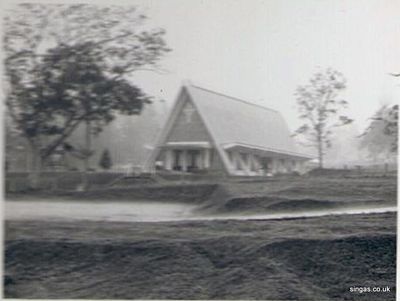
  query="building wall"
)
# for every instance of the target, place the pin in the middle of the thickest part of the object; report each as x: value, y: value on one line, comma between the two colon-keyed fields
x: 216, y: 166
x: 242, y: 163
x: 188, y: 126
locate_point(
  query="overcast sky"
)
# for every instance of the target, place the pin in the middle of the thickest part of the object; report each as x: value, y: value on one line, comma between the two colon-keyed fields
x: 262, y: 50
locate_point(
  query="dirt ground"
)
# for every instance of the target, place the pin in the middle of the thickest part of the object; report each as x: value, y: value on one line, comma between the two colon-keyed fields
x: 313, y: 259
x: 319, y: 258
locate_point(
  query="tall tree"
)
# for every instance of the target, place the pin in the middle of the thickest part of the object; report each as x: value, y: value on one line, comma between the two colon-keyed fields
x: 320, y: 108
x: 70, y: 89
x: 68, y: 64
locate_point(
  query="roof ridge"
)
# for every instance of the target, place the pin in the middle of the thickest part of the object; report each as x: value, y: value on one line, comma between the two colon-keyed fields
x: 234, y: 98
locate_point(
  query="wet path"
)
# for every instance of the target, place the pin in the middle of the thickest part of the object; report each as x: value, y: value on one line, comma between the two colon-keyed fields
x: 147, y: 211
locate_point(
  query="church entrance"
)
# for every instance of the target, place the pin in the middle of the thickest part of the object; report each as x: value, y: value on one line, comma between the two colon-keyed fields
x: 194, y: 160
x: 188, y: 160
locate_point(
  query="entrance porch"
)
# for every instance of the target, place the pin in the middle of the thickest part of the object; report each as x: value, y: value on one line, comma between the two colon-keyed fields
x: 187, y: 156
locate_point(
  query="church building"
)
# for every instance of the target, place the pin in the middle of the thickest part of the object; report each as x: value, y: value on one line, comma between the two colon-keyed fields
x: 211, y: 133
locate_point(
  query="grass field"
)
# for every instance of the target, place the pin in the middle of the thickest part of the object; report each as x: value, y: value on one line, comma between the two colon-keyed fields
x: 319, y: 258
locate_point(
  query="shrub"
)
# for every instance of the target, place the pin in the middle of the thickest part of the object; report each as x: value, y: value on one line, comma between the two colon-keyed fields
x: 105, y: 160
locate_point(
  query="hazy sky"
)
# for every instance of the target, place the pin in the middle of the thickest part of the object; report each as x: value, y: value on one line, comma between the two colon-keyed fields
x: 262, y: 50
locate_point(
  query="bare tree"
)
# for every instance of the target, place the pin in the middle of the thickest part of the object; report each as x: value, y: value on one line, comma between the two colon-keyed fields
x: 319, y: 107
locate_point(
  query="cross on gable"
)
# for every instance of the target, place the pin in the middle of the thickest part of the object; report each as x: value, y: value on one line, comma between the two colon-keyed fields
x: 188, y: 112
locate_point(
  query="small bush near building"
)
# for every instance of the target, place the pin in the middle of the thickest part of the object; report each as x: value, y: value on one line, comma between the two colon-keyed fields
x: 105, y: 160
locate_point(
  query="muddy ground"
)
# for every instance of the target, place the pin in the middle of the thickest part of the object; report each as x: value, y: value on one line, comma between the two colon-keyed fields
x: 306, y: 259
x: 318, y: 258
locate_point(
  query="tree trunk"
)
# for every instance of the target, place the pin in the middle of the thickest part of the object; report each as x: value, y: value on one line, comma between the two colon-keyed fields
x: 88, y: 146
x: 320, y: 153
x: 35, y: 166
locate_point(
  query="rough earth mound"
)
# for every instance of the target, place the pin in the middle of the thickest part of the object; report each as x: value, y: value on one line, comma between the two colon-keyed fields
x: 280, y: 260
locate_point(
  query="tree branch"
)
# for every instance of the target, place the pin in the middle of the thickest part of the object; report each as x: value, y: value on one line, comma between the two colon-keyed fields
x: 67, y: 132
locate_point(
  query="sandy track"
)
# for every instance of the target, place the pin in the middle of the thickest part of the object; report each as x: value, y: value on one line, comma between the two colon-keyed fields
x: 155, y: 211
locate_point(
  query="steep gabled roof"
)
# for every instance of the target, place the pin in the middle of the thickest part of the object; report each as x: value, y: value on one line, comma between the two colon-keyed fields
x: 234, y: 121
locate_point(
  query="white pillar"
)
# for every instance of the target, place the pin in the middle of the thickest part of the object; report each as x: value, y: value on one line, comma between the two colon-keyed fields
x: 168, y: 159
x: 206, y: 158
x: 200, y: 160
x: 247, y: 164
x: 274, y: 165
x: 233, y: 156
x: 236, y: 162
x: 280, y: 165
x: 256, y: 165
x: 285, y: 164
x: 251, y: 163
x: 184, y: 160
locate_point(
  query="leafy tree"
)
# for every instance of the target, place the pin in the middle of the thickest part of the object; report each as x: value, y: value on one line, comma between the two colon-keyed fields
x: 14, y: 145
x: 70, y: 64
x: 391, y: 121
x: 320, y: 108
x: 381, y: 137
x: 105, y: 160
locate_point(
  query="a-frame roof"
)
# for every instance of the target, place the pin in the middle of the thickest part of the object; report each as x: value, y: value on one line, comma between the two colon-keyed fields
x: 234, y: 121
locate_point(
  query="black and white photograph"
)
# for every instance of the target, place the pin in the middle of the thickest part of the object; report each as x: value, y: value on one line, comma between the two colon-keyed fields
x: 199, y: 149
